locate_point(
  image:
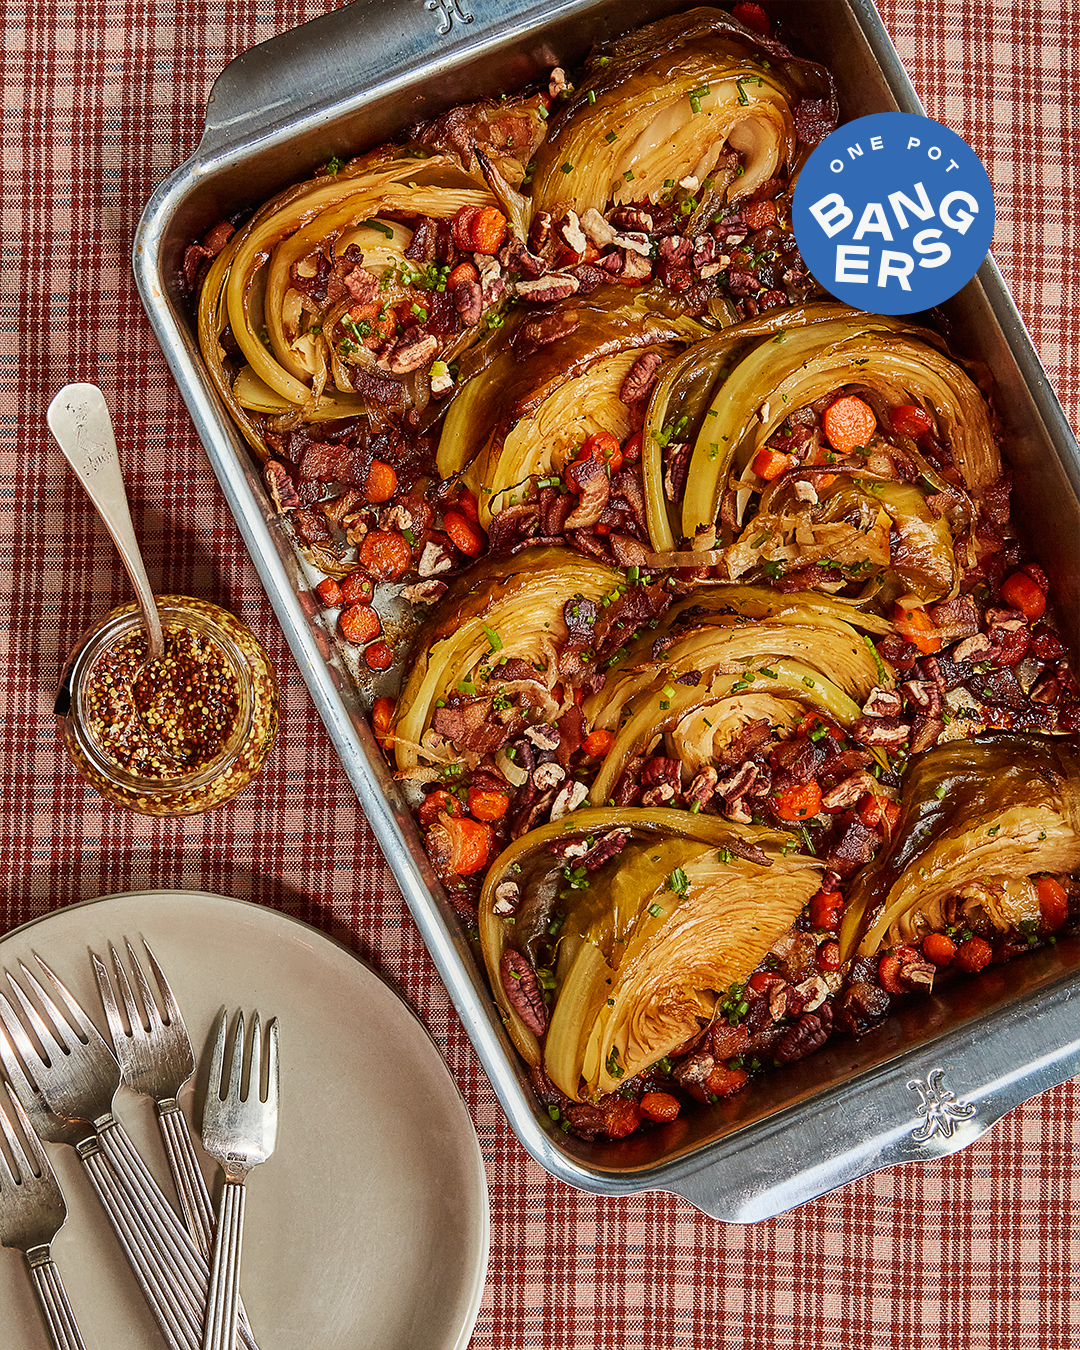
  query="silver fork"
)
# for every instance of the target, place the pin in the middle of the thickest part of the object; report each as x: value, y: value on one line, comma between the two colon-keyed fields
x: 177, y: 1320
x: 156, y: 1060
x: 32, y: 1212
x: 239, y: 1130
x: 77, y: 1075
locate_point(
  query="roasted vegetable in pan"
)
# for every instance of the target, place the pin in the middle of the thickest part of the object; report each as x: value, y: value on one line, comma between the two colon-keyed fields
x: 875, y: 532
x: 509, y: 611
x: 315, y: 280
x: 756, y: 389
x: 648, y: 941
x: 665, y: 106
x: 705, y: 679
x: 980, y: 818
x: 734, y: 662
x: 547, y: 383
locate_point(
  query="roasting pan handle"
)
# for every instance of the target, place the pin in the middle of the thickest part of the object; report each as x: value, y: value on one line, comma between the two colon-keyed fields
x: 294, y: 78
x: 926, y: 1106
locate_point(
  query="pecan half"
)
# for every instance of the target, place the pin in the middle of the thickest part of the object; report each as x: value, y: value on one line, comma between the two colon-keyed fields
x: 808, y: 1034
x: 468, y: 301
x: 414, y: 350
x: 703, y: 787
x: 887, y: 731
x: 570, y: 232
x: 544, y: 737
x: 640, y: 377
x: 849, y: 791
x: 523, y: 990
x: 883, y: 703
x: 597, y: 230
x: 507, y: 896
x: 569, y: 798
x: 736, y: 784
x: 280, y: 483
x: 548, y: 776
x: 545, y: 290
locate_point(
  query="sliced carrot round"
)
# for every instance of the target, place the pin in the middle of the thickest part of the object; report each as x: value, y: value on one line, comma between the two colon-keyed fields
x: 598, y: 743
x: 800, y: 802
x: 1053, y: 902
x: 913, y: 623
x: 381, y: 482
x: 849, y: 423
x: 360, y: 623
x: 1020, y: 592
x: 770, y: 464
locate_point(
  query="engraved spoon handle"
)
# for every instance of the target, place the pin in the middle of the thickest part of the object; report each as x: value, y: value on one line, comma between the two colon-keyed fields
x: 79, y: 419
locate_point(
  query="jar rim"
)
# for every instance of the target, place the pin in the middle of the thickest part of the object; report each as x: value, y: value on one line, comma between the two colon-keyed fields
x: 175, y: 611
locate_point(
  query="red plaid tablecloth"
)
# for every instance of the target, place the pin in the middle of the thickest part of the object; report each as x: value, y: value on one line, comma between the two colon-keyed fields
x: 100, y: 102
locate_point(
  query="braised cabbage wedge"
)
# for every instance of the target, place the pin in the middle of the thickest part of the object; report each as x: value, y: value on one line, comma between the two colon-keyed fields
x: 649, y: 942
x: 669, y: 103
x: 980, y: 817
x: 729, y: 394
x: 502, y: 609
x: 525, y: 407
x: 703, y: 676
x: 303, y: 345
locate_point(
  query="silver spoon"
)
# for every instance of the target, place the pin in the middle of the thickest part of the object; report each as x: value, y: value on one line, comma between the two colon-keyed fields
x: 79, y: 419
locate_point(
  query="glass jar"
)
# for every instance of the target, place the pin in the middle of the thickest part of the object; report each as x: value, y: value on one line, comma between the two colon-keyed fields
x: 175, y: 736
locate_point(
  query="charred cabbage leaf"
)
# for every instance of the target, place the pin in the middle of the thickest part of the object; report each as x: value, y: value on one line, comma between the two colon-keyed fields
x: 650, y: 943
x: 728, y: 394
x: 979, y: 818
x: 879, y: 533
x: 673, y: 102
x: 502, y: 611
x: 704, y: 675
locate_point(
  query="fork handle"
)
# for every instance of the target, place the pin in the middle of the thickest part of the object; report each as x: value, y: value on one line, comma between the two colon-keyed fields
x: 191, y: 1187
x: 222, y: 1304
x: 190, y: 1184
x: 53, y: 1298
x: 175, y: 1316
x: 156, y: 1219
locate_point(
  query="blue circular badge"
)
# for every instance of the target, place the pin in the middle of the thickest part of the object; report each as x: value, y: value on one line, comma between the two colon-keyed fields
x: 893, y: 213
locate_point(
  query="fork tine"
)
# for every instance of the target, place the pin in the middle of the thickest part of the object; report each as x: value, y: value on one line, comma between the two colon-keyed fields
x: 16, y: 1079
x: 237, y: 1065
x: 217, y: 1055
x: 44, y: 1122
x: 30, y: 1143
x: 6, y: 1174
x: 131, y: 1007
x: 272, y: 1079
x: 108, y: 998
x: 172, y: 1008
x: 17, y: 1033
x: 90, y: 1033
x: 254, y: 1082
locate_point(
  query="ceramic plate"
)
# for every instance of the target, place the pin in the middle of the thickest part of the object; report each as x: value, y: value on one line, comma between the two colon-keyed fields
x: 368, y: 1228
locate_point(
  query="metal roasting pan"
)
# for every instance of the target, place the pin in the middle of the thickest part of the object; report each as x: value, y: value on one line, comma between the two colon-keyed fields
x: 941, y: 1071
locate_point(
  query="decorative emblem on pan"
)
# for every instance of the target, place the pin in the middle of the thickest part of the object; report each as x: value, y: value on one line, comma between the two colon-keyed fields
x: 939, y: 1106
x: 448, y: 11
